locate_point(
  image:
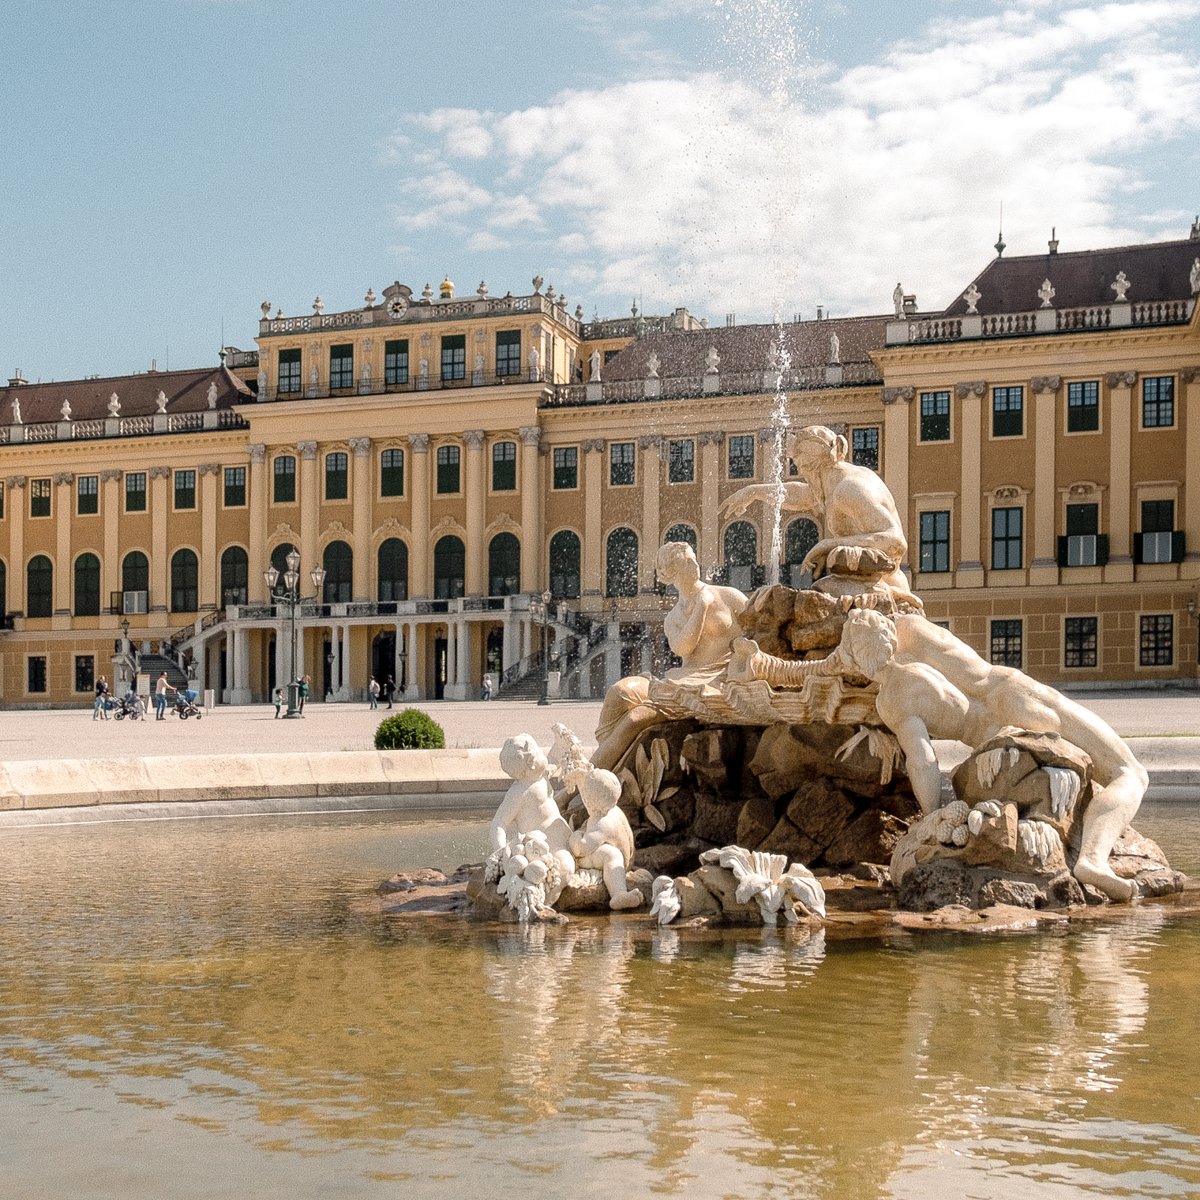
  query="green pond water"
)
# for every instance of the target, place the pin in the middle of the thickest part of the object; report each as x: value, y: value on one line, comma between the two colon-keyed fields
x: 211, y: 1009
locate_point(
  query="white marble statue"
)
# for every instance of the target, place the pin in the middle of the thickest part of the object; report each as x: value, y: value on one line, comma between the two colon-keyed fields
x: 700, y: 629
x: 864, y: 543
x: 835, y: 349
x: 114, y: 405
x: 528, y: 805
x: 212, y: 395
x: 605, y: 843
x: 932, y: 685
x: 16, y: 411
x: 161, y: 401
x: 898, y: 300
x: 65, y: 411
x: 594, y: 362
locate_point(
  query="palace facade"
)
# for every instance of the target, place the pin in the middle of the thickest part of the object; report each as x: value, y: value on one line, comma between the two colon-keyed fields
x: 448, y: 461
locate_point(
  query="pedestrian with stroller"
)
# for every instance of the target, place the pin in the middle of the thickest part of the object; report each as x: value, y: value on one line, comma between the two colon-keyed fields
x: 373, y: 692
x: 278, y: 698
x: 100, y: 707
x: 161, y: 688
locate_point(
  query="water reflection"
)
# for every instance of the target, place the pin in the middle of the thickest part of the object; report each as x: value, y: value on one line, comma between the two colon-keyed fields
x: 223, y: 986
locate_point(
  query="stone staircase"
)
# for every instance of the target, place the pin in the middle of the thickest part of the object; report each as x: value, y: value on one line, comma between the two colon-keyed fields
x: 155, y: 664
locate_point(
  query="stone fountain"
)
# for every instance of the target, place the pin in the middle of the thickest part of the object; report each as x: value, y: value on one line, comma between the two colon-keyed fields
x: 796, y: 742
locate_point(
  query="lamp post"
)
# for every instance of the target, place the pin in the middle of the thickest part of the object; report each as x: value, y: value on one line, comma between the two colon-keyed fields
x: 289, y: 594
x: 544, y: 602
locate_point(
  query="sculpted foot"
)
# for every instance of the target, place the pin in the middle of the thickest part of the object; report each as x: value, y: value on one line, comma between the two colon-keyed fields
x: 624, y: 900
x: 1104, y: 880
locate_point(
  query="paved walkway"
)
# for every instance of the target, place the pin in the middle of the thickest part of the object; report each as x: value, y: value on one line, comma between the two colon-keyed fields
x: 252, y: 729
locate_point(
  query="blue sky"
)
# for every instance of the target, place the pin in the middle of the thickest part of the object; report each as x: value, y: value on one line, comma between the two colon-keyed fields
x: 170, y: 164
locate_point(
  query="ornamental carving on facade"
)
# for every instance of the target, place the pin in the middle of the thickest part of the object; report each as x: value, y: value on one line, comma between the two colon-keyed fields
x: 977, y: 387
x: 110, y: 474
x: 1046, y: 293
x: 594, y: 445
x: 650, y: 441
x: 530, y: 435
x: 208, y: 469
x: 1116, y: 379
x: 1007, y: 493
x: 972, y: 296
x: 308, y: 450
x: 473, y: 439
x: 710, y: 437
x: 892, y: 394
x: 769, y: 435
x: 361, y: 446
x: 1121, y: 285
x: 257, y: 452
x: 63, y: 477
x: 1189, y: 374
x: 334, y: 528
x: 1085, y: 487
x: 18, y: 481
x: 419, y: 442
x: 1045, y: 383
x: 159, y: 472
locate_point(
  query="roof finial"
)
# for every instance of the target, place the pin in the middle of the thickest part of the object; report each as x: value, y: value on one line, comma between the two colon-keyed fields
x: 1000, y: 236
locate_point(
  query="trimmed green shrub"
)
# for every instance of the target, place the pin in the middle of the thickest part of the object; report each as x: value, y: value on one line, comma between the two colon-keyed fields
x: 409, y: 729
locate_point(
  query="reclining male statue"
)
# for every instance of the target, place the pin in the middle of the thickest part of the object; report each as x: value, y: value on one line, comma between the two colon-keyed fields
x: 931, y: 685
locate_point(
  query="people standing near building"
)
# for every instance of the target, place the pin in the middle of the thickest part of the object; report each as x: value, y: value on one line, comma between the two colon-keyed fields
x: 388, y: 689
x: 161, y: 688
x: 302, y: 686
x: 373, y: 692
x: 488, y: 687
x: 100, y: 707
x: 278, y: 699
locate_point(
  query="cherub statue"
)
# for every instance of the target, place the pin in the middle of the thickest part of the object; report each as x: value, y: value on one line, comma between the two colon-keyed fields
x: 605, y: 843
x: 528, y: 805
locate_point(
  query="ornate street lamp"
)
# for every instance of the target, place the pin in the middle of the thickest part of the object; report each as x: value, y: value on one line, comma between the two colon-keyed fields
x: 289, y: 594
x: 542, y: 602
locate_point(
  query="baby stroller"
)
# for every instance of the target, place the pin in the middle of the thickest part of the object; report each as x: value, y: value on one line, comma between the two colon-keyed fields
x: 186, y: 706
x: 130, y: 705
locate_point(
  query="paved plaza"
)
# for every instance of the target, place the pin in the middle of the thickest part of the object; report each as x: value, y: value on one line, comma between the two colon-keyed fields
x: 253, y: 729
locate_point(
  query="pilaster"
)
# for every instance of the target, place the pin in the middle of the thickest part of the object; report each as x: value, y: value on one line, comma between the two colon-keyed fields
x: 651, y: 472
x: 310, y: 505
x: 1120, y: 437
x: 969, y: 572
x: 534, y: 572
x: 256, y: 549
x: 593, y: 531
x: 419, y: 565
x: 64, y: 569
x: 1044, y: 566
x: 361, y: 485
x: 210, y: 586
x: 475, y: 583
x: 160, y: 590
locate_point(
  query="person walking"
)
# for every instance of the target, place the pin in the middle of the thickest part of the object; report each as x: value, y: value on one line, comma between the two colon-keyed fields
x: 488, y: 687
x: 100, y: 707
x: 388, y: 689
x: 161, y: 688
x: 373, y: 692
x: 278, y: 698
x: 303, y: 681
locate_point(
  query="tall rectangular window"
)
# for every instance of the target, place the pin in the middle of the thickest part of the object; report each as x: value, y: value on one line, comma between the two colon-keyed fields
x: 566, y: 467
x: 289, y: 371
x: 235, y: 487
x: 283, y: 471
x: 135, y: 491
x: 448, y: 460
x: 681, y: 460
x: 35, y: 681
x: 341, y: 367
x: 39, y: 497
x: 508, y: 352
x: 935, y: 541
x: 1083, y: 406
x: 1080, y: 641
x: 1158, y: 402
x: 1008, y: 411
x: 185, y: 490
x: 87, y: 494
x: 935, y: 416
x: 337, y: 474
x: 1083, y: 546
x: 85, y: 672
x: 1156, y: 640
x: 621, y: 464
x: 454, y: 357
x: 1007, y: 643
x: 391, y: 473
x: 1006, y: 538
x: 504, y: 467
x: 741, y: 456
x: 1158, y: 541
x: 864, y: 446
x: 395, y: 362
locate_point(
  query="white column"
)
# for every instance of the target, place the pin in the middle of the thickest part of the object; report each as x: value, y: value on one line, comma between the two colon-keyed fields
x: 239, y: 689
x: 230, y: 668
x: 347, y: 683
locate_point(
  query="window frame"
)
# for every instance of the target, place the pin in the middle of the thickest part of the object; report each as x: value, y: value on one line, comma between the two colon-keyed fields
x: 41, y: 494
x: 93, y: 493
x: 341, y: 367
x: 1007, y: 538
x: 396, y: 371
x: 508, y: 461
x: 233, y: 488
x: 289, y: 381
x: 860, y: 454
x: 1008, y: 411
x: 740, y: 440
x: 1081, y: 640
x: 927, y: 433
x: 189, y: 489
x: 681, y: 457
x: 1165, y: 383
x: 1002, y: 640
x: 389, y: 471
x: 38, y: 673
x: 131, y: 477
x: 1088, y: 403
x: 448, y: 458
x: 564, y: 462
x: 933, y: 543
x: 336, y: 466
x: 451, y: 346
x: 1152, y: 643
x: 277, y: 474
x: 622, y: 473
x: 508, y: 364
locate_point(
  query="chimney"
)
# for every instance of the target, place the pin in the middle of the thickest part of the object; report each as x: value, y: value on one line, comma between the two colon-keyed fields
x: 1053, y: 243
x: 18, y: 380
x: 1195, y: 235
x: 730, y: 320
x: 820, y: 313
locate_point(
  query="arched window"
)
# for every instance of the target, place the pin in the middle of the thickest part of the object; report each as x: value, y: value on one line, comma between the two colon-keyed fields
x: 621, y: 569
x: 741, y: 555
x: 449, y: 558
x: 393, y: 571
x: 235, y: 576
x: 39, y: 587
x: 135, y: 572
x: 564, y: 565
x: 279, y: 558
x: 338, y: 562
x: 681, y: 533
x: 185, y: 574
x: 504, y: 565
x: 799, y: 538
x: 87, y: 586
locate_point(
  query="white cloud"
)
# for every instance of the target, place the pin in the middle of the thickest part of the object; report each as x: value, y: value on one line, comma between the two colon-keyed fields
x: 729, y: 195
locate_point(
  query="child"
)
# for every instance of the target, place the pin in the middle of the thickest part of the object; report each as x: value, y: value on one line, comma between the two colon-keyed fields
x: 278, y: 698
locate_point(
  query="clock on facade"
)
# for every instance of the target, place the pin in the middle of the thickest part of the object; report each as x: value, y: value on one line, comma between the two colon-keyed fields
x: 397, y: 306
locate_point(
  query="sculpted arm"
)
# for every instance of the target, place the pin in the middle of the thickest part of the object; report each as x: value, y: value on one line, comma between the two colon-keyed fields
x: 797, y: 497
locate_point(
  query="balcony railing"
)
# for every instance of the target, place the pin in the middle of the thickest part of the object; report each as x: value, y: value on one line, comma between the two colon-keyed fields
x: 115, y: 427
x: 372, y: 386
